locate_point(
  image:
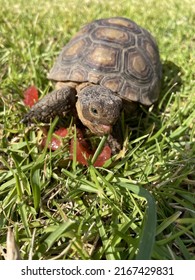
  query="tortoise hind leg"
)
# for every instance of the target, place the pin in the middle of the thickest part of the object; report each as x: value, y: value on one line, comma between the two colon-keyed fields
x: 57, y: 103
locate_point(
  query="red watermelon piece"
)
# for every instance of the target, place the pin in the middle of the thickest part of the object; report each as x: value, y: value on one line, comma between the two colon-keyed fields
x: 31, y: 96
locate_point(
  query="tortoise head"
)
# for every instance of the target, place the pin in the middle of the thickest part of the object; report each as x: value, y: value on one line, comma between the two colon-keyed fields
x: 98, y: 108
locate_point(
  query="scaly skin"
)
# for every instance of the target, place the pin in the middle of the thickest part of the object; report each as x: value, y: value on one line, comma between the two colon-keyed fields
x: 97, y: 107
x: 57, y: 103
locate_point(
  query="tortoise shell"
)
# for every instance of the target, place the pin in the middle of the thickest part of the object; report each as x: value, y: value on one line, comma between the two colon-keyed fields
x: 115, y: 53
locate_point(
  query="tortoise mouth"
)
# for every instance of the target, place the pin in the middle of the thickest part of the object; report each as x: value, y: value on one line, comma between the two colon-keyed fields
x: 101, y: 129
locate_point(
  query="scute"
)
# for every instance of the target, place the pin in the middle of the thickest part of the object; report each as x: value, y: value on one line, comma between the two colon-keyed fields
x: 115, y: 53
x: 103, y: 58
x: 74, y: 50
x: 113, y: 35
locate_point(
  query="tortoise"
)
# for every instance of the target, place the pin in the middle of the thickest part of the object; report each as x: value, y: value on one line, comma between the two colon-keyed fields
x: 107, y: 63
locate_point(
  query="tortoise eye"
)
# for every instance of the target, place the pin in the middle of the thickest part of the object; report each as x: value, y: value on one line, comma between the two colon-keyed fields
x: 94, y: 111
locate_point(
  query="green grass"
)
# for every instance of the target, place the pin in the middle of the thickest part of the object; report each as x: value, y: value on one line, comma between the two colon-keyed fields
x: 139, y: 206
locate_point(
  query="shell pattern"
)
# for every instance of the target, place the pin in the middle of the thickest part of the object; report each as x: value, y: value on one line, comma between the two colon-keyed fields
x: 115, y: 53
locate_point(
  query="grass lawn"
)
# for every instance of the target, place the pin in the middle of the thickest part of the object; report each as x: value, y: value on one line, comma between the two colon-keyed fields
x: 140, y: 205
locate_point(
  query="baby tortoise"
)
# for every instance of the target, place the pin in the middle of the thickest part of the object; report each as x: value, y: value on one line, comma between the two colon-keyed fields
x: 108, y: 63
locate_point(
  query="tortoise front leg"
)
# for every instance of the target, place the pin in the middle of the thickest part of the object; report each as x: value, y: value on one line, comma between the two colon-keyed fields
x: 115, y: 139
x: 57, y: 103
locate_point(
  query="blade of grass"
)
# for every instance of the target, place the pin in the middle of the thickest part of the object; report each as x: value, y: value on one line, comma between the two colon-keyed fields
x: 107, y: 248
x: 182, y: 230
x: 24, y: 217
x: 168, y: 222
x: 74, y: 156
x: 36, y: 169
x: 55, y: 235
x: 147, y: 237
x: 183, y: 248
x: 36, y: 188
x: 99, y: 149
